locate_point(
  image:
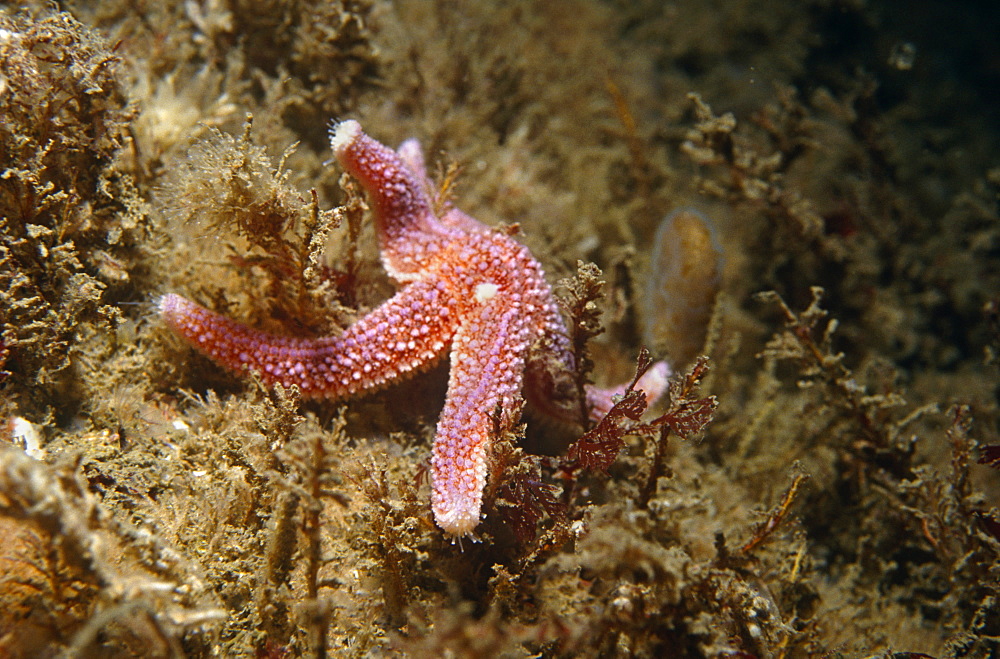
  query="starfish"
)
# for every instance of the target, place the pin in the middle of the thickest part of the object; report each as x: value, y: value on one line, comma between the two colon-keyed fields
x: 467, y: 289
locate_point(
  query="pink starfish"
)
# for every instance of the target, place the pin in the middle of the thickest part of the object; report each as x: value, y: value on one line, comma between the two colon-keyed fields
x: 466, y: 287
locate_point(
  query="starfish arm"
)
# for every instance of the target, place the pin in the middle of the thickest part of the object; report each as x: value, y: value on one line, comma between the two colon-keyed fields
x: 396, y: 192
x: 407, y: 332
x: 412, y: 156
x: 553, y: 393
x: 653, y: 383
x: 549, y: 385
x: 487, y: 363
x: 409, y: 234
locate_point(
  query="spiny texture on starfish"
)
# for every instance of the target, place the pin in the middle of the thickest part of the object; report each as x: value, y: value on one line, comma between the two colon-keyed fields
x: 468, y: 288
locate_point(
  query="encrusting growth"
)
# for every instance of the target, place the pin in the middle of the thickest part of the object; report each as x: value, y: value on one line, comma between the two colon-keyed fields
x: 467, y: 288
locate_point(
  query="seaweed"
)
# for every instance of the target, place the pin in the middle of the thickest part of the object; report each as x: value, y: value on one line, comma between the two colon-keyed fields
x: 686, y: 416
x: 67, y: 221
x: 229, y: 186
x: 322, y: 53
x: 840, y: 497
x: 939, y: 512
x: 809, y: 342
x: 580, y: 297
x: 523, y: 497
x: 144, y: 588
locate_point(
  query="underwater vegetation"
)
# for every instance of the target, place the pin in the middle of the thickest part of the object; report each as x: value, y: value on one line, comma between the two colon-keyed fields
x: 797, y: 205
